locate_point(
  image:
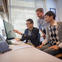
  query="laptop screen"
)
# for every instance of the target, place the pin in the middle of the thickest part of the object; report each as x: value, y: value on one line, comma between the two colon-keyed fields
x: 4, y: 47
x: 2, y: 28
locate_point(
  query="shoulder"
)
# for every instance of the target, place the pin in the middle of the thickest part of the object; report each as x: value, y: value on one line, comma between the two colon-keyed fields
x: 59, y: 25
x: 36, y: 29
x: 26, y: 30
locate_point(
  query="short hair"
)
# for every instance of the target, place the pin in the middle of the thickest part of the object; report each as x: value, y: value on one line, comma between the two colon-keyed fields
x: 30, y: 20
x: 40, y: 9
x: 51, y: 13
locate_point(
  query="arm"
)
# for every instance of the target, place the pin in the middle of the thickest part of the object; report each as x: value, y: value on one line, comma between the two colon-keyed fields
x: 17, y: 32
x: 43, y: 43
x: 43, y: 34
x: 57, y: 46
x: 24, y: 36
x: 33, y: 36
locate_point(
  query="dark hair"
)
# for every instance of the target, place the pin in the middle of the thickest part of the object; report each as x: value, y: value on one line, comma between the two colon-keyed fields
x: 30, y: 20
x: 51, y: 13
x: 40, y: 9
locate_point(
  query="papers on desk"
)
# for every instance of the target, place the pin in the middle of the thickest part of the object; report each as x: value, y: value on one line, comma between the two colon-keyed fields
x: 18, y: 45
x: 13, y: 41
x: 21, y: 47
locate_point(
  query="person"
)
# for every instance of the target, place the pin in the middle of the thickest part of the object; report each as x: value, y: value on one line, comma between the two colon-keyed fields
x: 53, y: 43
x: 31, y: 34
x: 41, y: 22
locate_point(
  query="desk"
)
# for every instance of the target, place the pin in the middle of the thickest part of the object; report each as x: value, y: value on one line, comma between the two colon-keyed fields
x: 27, y: 54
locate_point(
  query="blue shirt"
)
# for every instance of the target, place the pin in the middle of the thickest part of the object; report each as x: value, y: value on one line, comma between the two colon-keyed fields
x: 42, y: 24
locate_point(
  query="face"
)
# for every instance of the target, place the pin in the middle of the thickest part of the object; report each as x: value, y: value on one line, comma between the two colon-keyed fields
x: 39, y: 14
x: 48, y: 18
x: 29, y: 25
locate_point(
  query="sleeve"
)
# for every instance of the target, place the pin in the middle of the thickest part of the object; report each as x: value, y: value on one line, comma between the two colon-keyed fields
x: 34, y: 34
x: 24, y: 35
x: 40, y: 26
x: 60, y: 33
x: 60, y: 45
x: 47, y: 37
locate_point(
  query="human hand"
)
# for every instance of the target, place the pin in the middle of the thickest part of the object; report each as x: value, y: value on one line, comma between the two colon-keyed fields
x: 17, y: 39
x: 40, y: 46
x: 54, y: 47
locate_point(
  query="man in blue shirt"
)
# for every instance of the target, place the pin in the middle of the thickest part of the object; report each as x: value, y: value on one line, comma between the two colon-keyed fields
x: 41, y: 22
x: 31, y: 33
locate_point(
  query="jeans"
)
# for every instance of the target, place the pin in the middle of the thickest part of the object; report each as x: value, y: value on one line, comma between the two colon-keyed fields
x: 51, y: 51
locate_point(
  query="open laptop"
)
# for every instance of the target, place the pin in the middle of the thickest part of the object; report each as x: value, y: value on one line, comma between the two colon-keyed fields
x: 3, y: 45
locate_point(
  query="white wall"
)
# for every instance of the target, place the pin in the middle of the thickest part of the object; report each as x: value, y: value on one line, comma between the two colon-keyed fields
x: 21, y: 10
x: 50, y: 4
x: 55, y: 4
x: 59, y: 9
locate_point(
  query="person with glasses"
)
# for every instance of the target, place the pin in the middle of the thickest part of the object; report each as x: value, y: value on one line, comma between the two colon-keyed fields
x: 31, y: 34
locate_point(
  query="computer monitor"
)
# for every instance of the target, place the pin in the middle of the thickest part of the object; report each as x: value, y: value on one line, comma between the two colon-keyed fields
x: 2, y: 28
x: 3, y: 44
x: 6, y: 29
x: 9, y: 30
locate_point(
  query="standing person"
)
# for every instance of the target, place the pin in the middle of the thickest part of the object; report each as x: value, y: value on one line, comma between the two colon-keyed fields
x: 41, y: 21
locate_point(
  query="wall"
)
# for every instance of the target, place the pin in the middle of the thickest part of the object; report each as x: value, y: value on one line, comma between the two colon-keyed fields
x: 55, y: 4
x: 50, y: 4
x: 59, y: 9
x: 21, y: 10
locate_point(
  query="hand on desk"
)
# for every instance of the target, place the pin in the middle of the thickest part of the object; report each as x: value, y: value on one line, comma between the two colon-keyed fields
x: 40, y: 46
x: 54, y: 47
x: 17, y: 39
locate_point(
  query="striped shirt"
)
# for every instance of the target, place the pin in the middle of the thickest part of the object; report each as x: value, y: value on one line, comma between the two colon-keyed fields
x: 54, y: 34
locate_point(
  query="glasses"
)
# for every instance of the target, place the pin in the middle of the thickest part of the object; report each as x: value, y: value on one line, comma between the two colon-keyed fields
x: 28, y: 23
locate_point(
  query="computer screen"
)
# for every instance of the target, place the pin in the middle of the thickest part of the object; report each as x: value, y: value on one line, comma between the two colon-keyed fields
x: 10, y: 34
x: 6, y: 29
x: 2, y: 28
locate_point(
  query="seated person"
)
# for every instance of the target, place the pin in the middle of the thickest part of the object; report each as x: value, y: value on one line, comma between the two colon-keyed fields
x: 31, y: 33
x: 52, y: 45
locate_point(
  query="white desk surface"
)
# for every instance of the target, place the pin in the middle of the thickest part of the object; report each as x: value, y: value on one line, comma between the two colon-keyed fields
x: 26, y: 54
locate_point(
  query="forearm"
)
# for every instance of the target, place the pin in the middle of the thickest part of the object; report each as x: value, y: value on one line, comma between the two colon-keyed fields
x: 18, y: 32
x: 44, y: 42
x: 25, y: 37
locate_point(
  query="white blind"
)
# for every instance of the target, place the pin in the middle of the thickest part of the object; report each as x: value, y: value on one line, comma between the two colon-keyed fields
x: 21, y: 10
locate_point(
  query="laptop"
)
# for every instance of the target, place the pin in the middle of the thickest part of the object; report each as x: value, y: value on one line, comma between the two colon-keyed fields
x: 4, y: 47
